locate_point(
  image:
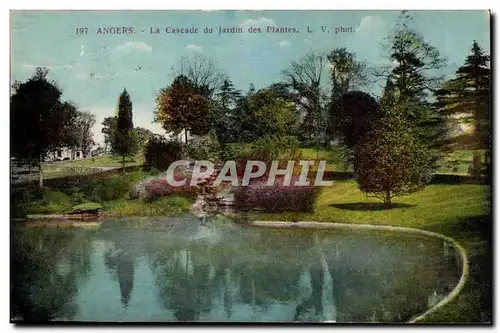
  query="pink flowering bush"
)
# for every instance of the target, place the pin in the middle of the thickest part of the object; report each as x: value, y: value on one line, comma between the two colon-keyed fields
x: 276, y: 198
x: 158, y: 188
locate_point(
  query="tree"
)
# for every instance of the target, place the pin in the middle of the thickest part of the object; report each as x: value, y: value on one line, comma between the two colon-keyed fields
x: 265, y: 112
x: 251, y: 89
x: 159, y: 152
x: 143, y: 136
x: 415, y: 73
x: 390, y: 160
x: 202, y: 72
x: 271, y: 113
x: 125, y: 142
x: 245, y: 128
x: 467, y: 95
x: 83, y: 132
x: 346, y: 74
x: 355, y: 114
x: 225, y: 118
x: 184, y: 106
x: 108, y: 129
x: 40, y: 121
x: 304, y: 78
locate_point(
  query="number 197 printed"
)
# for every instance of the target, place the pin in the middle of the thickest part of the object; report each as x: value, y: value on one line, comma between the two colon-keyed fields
x: 82, y: 31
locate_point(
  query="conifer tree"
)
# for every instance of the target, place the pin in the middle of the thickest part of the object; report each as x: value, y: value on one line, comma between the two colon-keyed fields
x: 124, y: 141
x: 467, y: 96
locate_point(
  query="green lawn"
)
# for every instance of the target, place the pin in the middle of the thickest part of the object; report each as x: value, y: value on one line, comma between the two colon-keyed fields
x: 87, y: 165
x: 332, y: 157
x: 458, y: 211
x: 457, y: 161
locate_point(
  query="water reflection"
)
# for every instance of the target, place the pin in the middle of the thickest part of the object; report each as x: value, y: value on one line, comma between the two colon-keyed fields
x: 120, y: 262
x: 181, y: 271
x: 46, y: 269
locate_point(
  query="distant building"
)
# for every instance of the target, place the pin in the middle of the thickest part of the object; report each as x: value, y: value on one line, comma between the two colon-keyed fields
x: 63, y: 154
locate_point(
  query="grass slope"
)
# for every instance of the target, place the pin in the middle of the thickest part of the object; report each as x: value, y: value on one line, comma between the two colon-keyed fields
x: 87, y: 165
x: 457, y: 162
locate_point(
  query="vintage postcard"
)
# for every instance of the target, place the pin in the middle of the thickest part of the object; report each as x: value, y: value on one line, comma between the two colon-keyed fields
x: 236, y: 166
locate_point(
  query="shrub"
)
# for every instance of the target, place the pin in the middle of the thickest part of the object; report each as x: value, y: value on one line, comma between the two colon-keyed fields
x: 110, y: 187
x: 56, y: 197
x: 390, y: 160
x: 276, y: 198
x: 272, y: 147
x: 158, y: 188
x: 205, y: 147
x: 267, y: 148
x: 171, y: 205
x: 52, y: 202
x: 235, y: 151
x: 166, y: 206
x: 113, y: 188
x: 77, y: 197
x: 19, y: 202
x: 159, y: 152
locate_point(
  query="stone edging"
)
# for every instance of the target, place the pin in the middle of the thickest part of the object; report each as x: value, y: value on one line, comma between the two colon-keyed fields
x: 328, y: 225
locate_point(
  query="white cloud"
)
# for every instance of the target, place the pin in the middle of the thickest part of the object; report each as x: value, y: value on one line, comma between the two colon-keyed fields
x: 194, y: 47
x: 258, y: 22
x: 370, y: 23
x: 285, y: 43
x: 138, y: 46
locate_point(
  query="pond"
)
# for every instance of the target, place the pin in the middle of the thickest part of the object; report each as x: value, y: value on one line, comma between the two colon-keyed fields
x: 170, y: 270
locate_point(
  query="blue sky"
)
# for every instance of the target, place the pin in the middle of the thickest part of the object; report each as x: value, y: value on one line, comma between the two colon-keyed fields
x: 93, y: 69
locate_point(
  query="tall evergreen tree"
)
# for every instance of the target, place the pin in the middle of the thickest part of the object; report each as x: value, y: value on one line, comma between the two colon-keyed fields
x: 389, y: 159
x: 226, y: 122
x: 124, y: 143
x: 415, y: 64
x: 251, y: 89
x: 468, y: 96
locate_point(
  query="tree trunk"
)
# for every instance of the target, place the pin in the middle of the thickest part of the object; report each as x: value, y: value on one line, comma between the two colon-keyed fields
x: 476, y: 165
x: 40, y: 173
x: 387, y: 199
x: 185, y: 136
x: 317, y: 150
x: 476, y: 158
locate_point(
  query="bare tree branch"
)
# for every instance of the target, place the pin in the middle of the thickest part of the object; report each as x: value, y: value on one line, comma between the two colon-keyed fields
x: 202, y: 71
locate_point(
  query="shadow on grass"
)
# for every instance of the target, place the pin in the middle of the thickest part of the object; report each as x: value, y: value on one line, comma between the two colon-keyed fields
x: 476, y: 234
x: 480, y: 226
x: 369, y: 206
